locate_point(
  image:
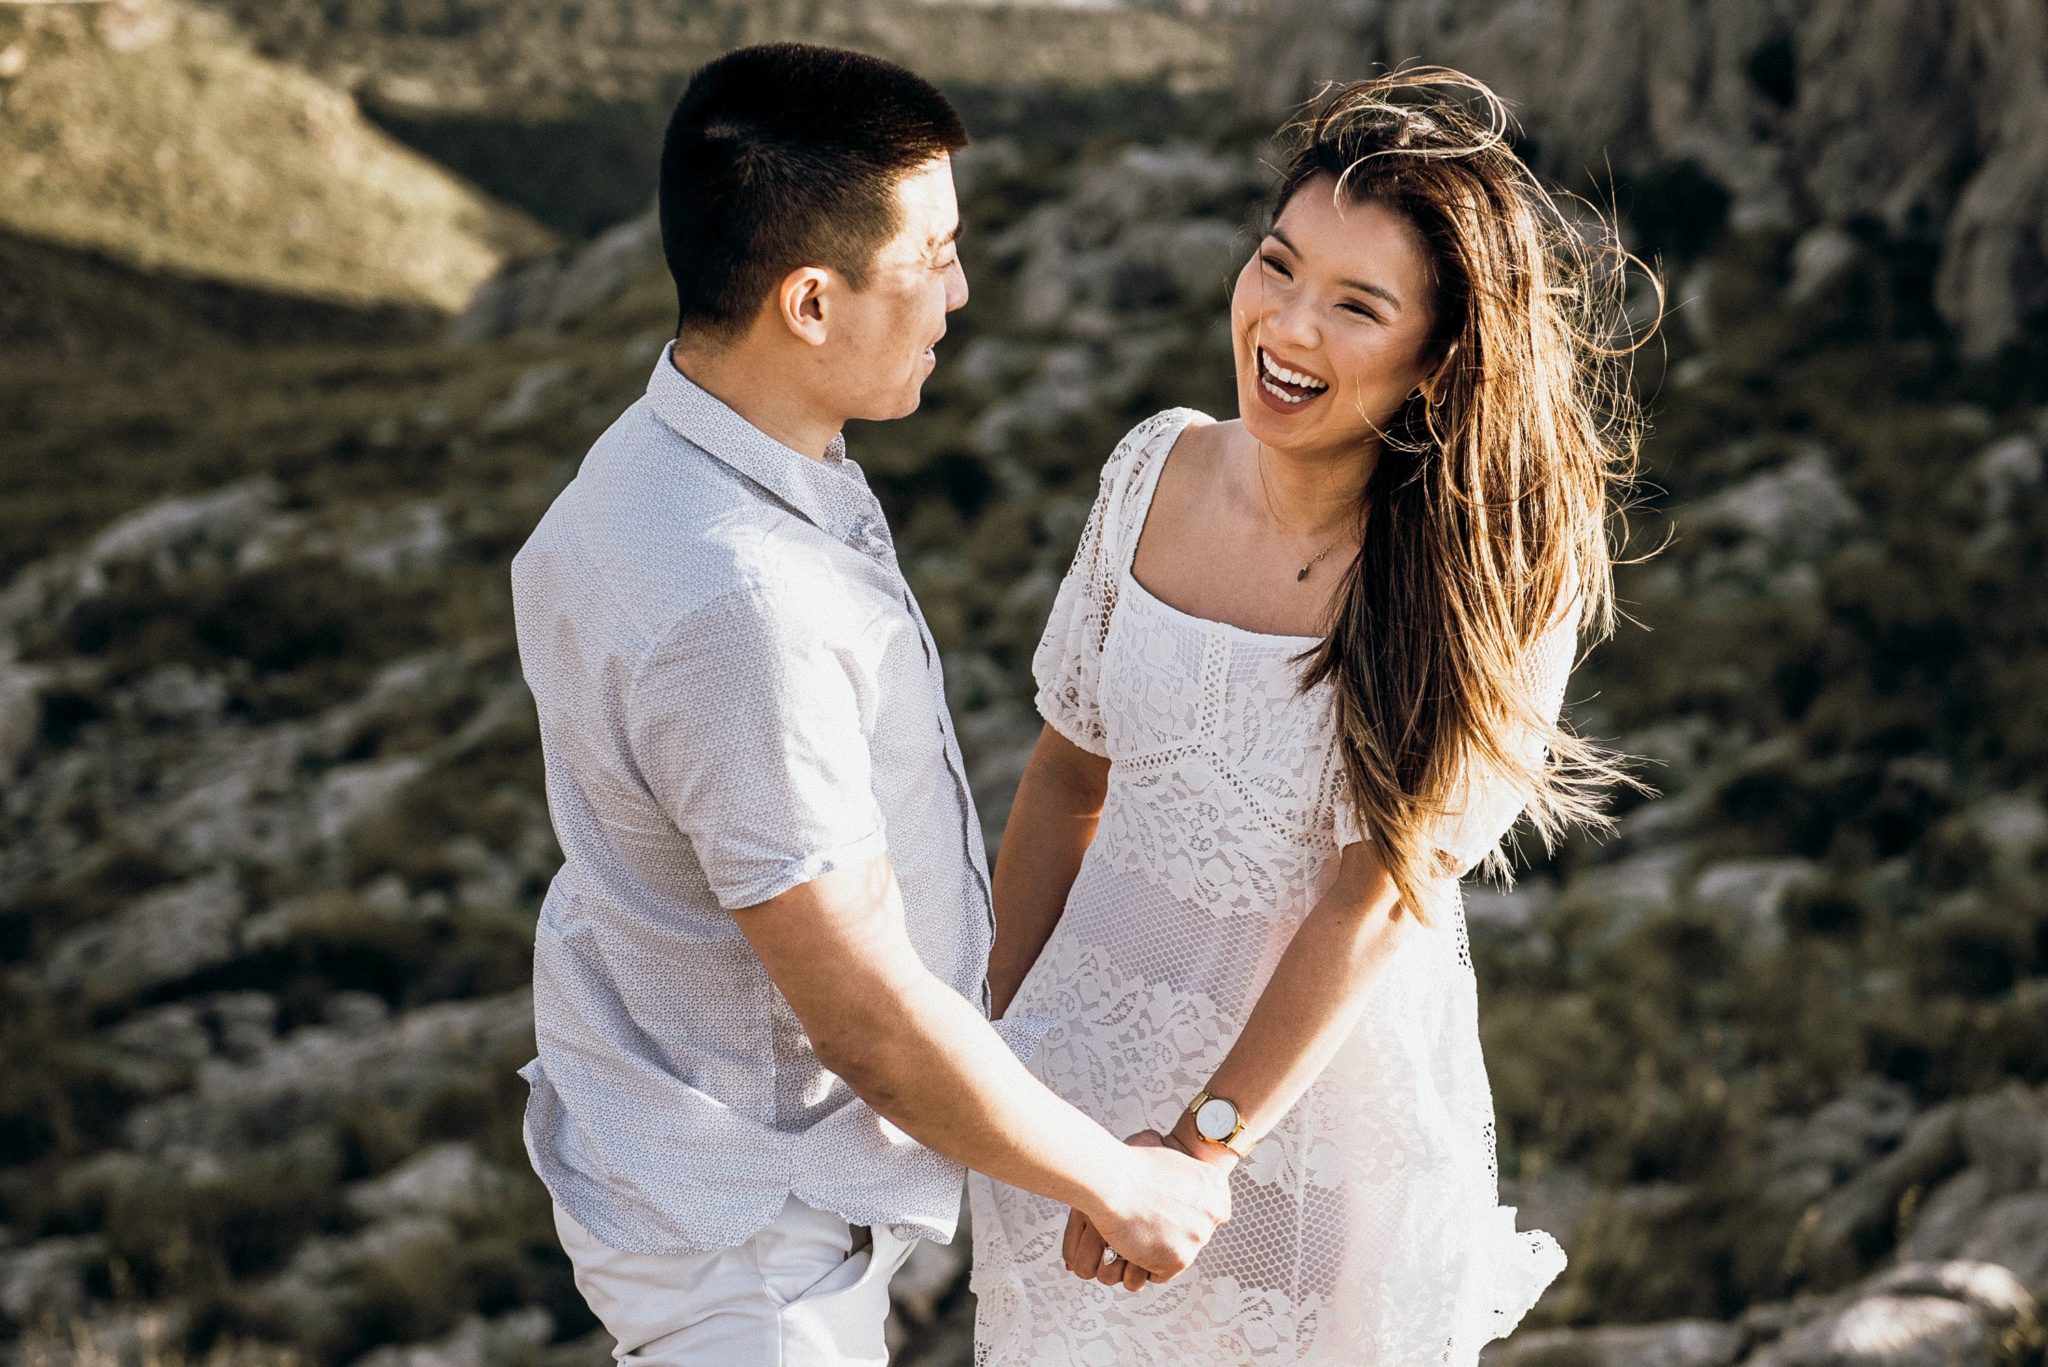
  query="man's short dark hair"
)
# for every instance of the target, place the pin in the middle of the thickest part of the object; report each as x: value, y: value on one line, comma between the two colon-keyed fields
x: 788, y: 155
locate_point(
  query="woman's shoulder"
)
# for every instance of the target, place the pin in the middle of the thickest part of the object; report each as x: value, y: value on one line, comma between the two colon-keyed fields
x: 1146, y: 444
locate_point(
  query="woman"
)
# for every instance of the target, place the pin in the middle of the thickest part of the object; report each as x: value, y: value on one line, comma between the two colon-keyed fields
x: 1306, y: 670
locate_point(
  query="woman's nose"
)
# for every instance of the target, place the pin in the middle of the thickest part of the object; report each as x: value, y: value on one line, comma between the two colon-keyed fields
x: 1290, y: 325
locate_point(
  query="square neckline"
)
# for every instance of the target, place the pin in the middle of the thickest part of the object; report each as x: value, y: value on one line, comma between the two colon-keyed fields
x: 1127, y: 570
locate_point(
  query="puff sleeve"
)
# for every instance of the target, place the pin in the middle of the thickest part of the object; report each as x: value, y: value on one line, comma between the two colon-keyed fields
x: 1067, y: 664
x: 1471, y: 834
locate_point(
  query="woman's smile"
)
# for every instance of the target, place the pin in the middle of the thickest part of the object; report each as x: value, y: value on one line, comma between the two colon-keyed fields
x: 1286, y: 388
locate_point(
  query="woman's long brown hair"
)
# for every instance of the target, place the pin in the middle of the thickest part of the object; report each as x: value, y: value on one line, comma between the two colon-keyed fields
x: 1490, y: 499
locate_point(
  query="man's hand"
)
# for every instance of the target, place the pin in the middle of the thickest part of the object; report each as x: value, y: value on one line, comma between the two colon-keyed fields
x: 1171, y: 1206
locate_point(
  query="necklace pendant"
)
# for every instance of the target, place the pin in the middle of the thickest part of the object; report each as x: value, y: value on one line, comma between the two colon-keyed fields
x: 1303, y: 573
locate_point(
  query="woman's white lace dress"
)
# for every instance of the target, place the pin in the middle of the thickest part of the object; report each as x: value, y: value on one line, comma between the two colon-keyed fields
x: 1365, y: 1229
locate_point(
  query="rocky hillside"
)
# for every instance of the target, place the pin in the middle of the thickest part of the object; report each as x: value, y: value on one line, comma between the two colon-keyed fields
x: 1772, y: 1064
x: 533, y: 58
x: 150, y: 134
x: 1904, y: 118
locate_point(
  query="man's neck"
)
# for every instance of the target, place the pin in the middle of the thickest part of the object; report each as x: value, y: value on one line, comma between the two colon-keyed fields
x: 733, y: 376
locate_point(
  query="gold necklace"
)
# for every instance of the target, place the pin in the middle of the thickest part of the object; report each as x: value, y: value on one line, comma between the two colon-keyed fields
x: 1301, y: 574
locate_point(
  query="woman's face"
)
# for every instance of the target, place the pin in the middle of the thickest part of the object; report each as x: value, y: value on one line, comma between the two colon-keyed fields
x: 1330, y: 323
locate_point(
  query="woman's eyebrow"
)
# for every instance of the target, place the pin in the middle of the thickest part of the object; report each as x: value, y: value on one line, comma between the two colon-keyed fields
x: 1361, y: 286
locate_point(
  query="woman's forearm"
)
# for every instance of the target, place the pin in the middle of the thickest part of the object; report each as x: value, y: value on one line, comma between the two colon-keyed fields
x: 1312, y: 1001
x: 1059, y: 800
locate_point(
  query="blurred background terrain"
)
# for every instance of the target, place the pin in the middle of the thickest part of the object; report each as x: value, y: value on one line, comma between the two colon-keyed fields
x: 308, y: 309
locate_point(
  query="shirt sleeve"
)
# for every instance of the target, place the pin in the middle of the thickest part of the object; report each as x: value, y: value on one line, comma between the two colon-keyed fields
x: 1068, y: 660
x: 747, y: 724
x: 1474, y: 828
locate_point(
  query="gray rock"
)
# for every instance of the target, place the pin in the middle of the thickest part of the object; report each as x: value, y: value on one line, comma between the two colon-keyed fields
x: 165, y: 936
x: 1944, y: 1223
x: 47, y: 1278
x: 2013, y: 824
x: 1820, y: 257
x: 418, y: 541
x: 1634, y: 884
x: 244, y: 1024
x: 302, y: 1079
x: 1915, y: 1315
x: 179, y: 694
x: 592, y: 1350
x: 174, y: 1033
x: 172, y: 533
x: 1507, y: 911
x: 1865, y: 1210
x: 1868, y: 1119
x: 530, y: 393
x: 2005, y: 1136
x: 1752, y: 890
x: 2013, y: 1233
x: 349, y: 794
x: 2007, y: 471
x: 21, y: 714
x: 354, y: 1011
x: 312, y: 1292
x: 1795, y: 510
x: 476, y: 1342
x: 1676, y: 1343
x: 554, y: 292
x: 444, y: 1178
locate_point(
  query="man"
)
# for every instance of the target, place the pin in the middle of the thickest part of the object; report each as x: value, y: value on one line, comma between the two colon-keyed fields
x: 759, y: 983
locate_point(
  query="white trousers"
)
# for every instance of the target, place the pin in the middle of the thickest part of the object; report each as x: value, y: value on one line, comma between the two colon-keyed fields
x: 809, y: 1290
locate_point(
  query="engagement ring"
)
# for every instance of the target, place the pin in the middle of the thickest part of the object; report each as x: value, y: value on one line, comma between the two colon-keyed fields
x: 1110, y: 1255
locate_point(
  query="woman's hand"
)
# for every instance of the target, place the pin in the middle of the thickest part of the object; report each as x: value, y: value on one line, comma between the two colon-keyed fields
x: 1183, y: 1136
x: 1084, y: 1250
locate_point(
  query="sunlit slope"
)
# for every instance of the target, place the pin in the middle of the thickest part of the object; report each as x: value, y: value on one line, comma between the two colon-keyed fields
x: 153, y: 134
x: 534, y: 58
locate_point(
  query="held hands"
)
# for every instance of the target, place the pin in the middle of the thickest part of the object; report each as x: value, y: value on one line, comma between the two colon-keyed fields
x: 1177, y: 1199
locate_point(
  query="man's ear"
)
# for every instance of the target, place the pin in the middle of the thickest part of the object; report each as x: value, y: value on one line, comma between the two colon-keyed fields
x: 802, y: 302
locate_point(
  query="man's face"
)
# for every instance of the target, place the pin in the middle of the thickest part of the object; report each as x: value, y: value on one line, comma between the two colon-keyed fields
x: 882, y: 337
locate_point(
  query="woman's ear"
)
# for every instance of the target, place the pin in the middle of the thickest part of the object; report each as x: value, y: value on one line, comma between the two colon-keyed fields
x: 802, y: 303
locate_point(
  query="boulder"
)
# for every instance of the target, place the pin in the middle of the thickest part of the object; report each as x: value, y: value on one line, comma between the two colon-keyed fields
x: 1914, y: 1315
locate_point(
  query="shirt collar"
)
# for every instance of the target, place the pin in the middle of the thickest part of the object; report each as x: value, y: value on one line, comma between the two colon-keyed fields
x: 831, y: 493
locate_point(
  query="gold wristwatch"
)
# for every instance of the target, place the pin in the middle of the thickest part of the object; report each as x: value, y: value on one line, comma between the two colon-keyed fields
x: 1217, y: 1120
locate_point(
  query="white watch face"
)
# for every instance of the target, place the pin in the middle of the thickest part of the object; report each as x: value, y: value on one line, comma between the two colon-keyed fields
x: 1215, y: 1119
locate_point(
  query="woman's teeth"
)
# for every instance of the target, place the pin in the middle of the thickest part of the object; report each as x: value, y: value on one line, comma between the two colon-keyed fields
x: 1289, y: 386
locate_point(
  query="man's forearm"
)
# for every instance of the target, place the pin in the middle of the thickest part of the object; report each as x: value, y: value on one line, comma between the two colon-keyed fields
x: 915, y: 1049
x: 938, y: 1071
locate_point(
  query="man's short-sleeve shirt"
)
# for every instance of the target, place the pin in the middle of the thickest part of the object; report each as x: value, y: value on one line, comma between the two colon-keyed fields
x: 737, y: 694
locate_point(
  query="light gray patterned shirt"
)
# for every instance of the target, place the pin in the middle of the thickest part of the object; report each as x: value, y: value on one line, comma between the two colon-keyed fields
x: 737, y: 694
